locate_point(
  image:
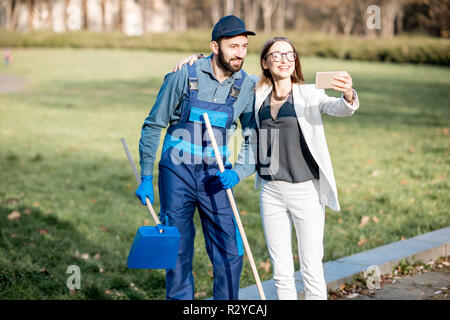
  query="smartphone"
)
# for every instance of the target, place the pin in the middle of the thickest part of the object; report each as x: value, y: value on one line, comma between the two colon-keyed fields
x: 324, y: 79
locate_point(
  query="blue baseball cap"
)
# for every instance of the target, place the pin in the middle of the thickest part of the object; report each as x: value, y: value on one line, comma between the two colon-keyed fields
x: 229, y: 26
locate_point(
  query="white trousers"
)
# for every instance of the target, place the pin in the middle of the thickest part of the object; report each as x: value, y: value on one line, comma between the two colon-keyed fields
x: 281, y: 204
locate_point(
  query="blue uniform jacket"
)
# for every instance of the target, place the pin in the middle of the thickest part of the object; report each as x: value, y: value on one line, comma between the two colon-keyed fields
x: 167, y: 110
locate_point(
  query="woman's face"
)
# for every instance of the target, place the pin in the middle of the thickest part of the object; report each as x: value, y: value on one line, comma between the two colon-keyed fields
x: 279, y: 69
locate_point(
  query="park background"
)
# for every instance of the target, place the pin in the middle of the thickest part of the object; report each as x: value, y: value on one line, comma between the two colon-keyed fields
x: 79, y: 75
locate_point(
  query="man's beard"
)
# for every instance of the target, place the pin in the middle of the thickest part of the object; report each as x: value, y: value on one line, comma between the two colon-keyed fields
x: 224, y: 65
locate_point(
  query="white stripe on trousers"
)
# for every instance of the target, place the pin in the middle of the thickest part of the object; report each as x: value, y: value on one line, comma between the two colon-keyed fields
x: 281, y: 203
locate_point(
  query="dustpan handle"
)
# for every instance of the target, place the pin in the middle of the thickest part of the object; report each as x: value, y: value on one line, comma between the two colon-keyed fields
x: 136, y: 174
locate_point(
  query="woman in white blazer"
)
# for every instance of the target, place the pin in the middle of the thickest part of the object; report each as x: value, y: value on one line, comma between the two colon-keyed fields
x: 296, y: 176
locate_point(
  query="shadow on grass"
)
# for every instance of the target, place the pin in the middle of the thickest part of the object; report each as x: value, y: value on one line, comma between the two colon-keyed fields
x: 402, y: 103
x: 36, y: 249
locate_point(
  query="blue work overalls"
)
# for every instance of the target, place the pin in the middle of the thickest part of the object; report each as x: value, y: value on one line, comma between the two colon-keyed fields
x: 187, y: 180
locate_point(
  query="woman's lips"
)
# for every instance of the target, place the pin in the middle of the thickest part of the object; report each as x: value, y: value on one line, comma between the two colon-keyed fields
x: 283, y: 68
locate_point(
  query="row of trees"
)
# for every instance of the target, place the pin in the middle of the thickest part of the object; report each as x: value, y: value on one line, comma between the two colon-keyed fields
x: 329, y: 16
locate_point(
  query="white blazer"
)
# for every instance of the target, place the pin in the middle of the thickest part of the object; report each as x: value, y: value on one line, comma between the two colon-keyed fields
x: 309, y: 104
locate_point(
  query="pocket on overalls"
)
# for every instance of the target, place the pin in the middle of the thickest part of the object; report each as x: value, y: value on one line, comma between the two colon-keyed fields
x: 216, y: 118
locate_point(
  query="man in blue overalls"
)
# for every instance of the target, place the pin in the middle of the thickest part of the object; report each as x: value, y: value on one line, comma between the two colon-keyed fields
x: 189, y: 177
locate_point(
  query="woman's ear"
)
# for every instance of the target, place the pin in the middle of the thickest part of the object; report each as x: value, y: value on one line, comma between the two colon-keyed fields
x: 264, y: 64
x: 214, y: 47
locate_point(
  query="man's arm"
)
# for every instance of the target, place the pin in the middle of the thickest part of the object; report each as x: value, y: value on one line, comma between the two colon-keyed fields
x: 245, y: 164
x: 168, y: 99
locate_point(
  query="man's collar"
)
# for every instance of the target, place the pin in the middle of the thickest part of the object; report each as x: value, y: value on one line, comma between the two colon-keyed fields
x: 205, y: 66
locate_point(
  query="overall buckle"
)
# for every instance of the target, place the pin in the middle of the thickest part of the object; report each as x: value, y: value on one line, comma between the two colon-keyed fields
x: 234, y: 92
x: 193, y: 84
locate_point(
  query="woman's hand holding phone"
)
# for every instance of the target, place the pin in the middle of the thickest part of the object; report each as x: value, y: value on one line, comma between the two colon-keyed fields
x: 337, y: 80
x: 343, y: 82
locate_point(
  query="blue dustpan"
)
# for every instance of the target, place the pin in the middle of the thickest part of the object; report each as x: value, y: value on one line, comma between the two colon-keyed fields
x: 154, y: 250
x: 154, y: 247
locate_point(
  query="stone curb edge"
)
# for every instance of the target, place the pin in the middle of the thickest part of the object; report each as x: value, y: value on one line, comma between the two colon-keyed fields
x: 424, y: 247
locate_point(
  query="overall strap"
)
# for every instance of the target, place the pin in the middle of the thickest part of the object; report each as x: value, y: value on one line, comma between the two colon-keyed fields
x: 236, y: 88
x: 192, y: 80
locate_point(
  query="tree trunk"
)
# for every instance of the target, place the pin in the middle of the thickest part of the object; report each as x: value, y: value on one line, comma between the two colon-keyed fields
x: 8, y: 8
x: 144, y: 15
x: 49, y: 21
x: 31, y: 8
x: 399, y: 21
x: 228, y: 7
x: 85, y: 9
x: 121, y: 16
x: 182, y: 15
x: 215, y: 11
x: 103, y: 7
x: 15, y: 12
x: 66, y: 13
x: 362, y: 11
x: 389, y: 12
x: 237, y: 8
x: 280, y: 20
x: 346, y: 11
x: 251, y: 11
x: 179, y: 18
x: 268, y: 7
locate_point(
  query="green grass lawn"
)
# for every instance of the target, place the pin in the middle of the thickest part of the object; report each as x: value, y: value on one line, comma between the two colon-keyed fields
x: 62, y: 167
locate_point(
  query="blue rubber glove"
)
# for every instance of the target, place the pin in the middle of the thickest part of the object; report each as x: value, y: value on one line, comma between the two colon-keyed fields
x: 229, y: 178
x: 145, y: 189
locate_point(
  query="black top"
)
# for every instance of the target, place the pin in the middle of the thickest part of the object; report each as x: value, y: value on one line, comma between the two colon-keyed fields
x: 282, y: 150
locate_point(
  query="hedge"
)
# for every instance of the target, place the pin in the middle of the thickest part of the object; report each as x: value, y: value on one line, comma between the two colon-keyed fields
x: 415, y: 49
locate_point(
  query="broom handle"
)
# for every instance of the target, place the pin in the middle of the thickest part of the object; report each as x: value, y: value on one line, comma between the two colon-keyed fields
x: 136, y: 174
x: 235, y: 209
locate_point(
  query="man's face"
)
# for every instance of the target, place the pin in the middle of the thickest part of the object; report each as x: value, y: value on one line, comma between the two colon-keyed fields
x: 232, y: 52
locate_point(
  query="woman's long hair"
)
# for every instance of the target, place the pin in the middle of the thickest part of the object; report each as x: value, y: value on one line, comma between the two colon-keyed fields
x: 266, y: 77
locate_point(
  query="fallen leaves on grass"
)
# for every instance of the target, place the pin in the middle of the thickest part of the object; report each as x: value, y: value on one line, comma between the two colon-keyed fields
x: 10, y: 201
x: 265, y: 265
x: 200, y: 294
x: 15, y: 215
x: 43, y: 231
x: 362, y: 241
x: 375, y: 173
x: 364, y: 220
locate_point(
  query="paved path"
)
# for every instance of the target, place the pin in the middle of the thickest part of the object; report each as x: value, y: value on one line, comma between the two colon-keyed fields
x: 10, y: 83
x: 425, y: 247
x: 432, y: 285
